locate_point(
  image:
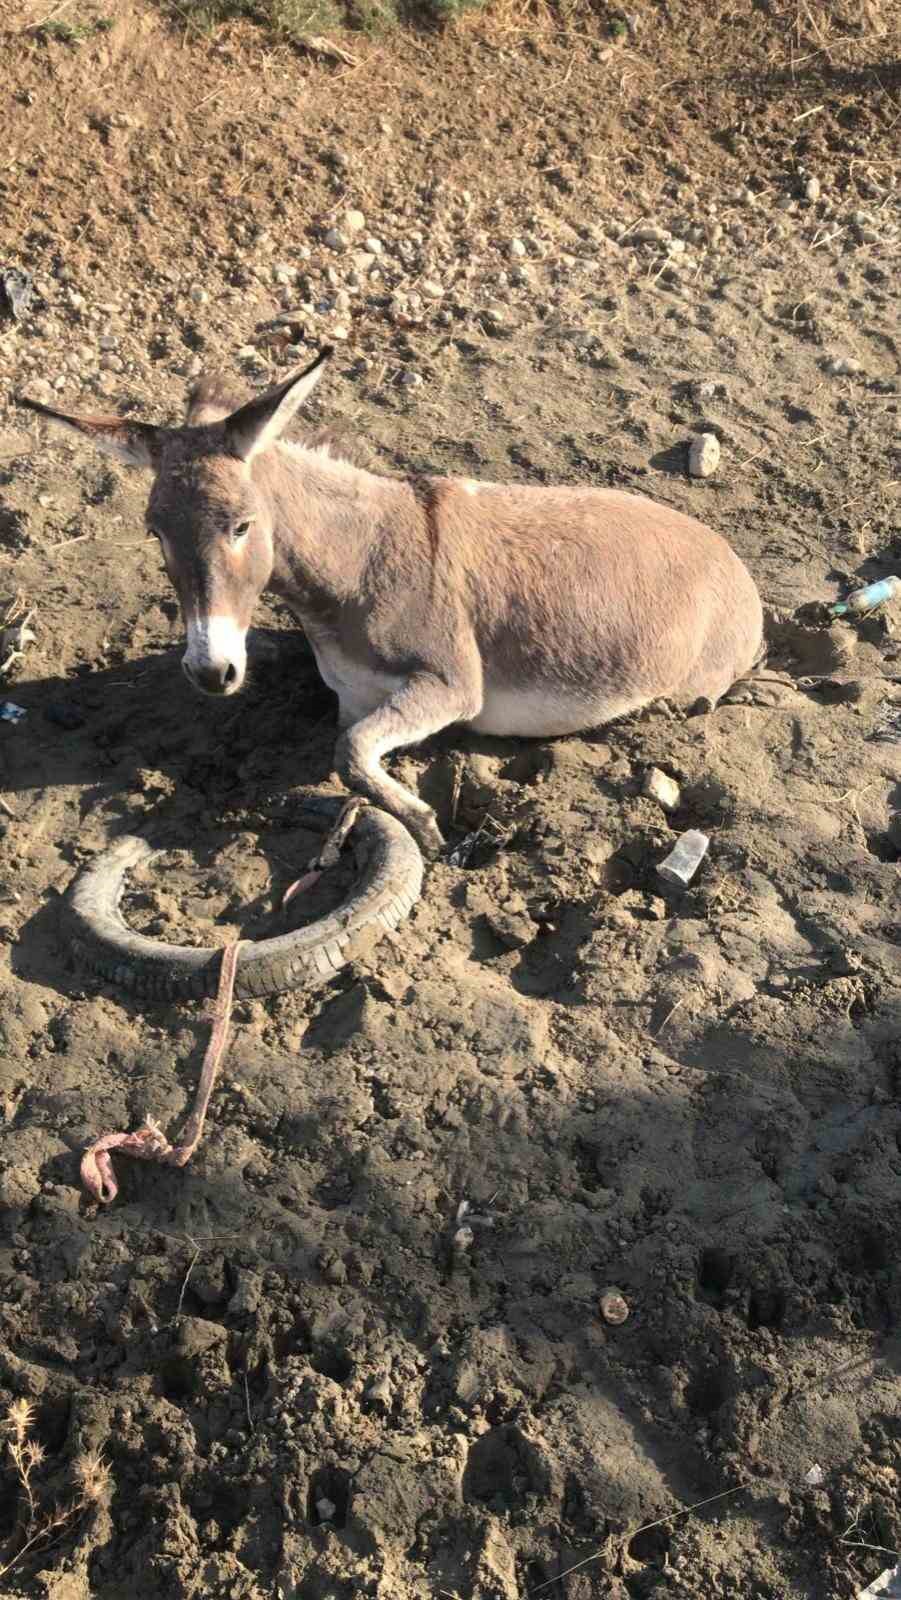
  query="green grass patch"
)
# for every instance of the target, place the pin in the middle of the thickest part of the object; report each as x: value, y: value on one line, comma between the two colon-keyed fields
x: 60, y: 30
x: 293, y: 19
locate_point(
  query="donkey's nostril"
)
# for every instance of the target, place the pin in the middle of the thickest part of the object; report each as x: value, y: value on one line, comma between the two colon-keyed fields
x: 212, y: 677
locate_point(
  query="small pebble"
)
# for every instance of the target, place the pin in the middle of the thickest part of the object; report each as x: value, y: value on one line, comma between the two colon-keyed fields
x: 703, y: 455
x: 325, y: 1509
x: 613, y: 1307
x: 373, y: 245
x: 335, y: 239
x: 354, y: 221
x: 517, y: 248
x: 813, y: 189
x: 411, y: 380
x: 660, y: 787
x: 843, y: 367
x: 380, y: 1389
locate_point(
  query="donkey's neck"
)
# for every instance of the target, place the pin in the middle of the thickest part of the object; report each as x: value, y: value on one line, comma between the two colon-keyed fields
x: 326, y: 518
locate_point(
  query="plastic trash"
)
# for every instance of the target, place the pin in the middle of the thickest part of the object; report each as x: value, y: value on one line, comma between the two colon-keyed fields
x: 15, y: 292
x: 886, y: 1587
x: 868, y: 598
x: 10, y: 712
x: 680, y: 866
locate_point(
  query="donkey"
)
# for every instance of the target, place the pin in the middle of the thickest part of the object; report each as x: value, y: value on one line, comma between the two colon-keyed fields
x: 430, y: 601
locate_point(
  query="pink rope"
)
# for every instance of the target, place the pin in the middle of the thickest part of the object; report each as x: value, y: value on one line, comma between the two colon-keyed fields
x: 150, y: 1143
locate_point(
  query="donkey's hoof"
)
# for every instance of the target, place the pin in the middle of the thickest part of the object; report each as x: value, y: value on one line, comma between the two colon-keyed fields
x: 768, y: 692
x: 427, y: 834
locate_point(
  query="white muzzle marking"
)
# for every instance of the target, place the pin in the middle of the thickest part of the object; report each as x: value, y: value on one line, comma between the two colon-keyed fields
x: 216, y: 647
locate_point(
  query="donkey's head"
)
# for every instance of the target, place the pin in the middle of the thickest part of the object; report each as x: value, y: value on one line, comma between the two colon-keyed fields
x: 209, y: 514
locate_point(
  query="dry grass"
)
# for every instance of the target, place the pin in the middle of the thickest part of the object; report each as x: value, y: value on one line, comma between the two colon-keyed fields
x: 16, y: 632
x: 41, y: 1522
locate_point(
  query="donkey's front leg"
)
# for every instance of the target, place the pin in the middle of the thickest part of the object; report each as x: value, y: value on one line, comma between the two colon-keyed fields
x: 423, y: 706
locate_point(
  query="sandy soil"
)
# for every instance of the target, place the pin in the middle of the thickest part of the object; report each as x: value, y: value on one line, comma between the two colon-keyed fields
x: 299, y: 1390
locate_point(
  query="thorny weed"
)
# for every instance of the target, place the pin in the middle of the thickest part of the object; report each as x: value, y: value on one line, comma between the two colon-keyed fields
x: 39, y: 1521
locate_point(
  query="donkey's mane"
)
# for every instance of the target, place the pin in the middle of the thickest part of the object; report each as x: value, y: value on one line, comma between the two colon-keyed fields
x: 214, y: 397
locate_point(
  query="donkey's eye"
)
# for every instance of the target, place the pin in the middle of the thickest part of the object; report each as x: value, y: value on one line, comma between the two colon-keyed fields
x: 241, y: 528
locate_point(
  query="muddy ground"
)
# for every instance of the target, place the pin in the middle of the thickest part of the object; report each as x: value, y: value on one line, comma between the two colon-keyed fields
x: 298, y: 1389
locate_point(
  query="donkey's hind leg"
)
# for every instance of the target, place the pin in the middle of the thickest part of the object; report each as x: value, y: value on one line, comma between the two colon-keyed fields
x: 422, y: 707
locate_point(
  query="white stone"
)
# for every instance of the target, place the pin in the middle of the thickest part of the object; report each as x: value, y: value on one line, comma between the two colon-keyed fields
x: 660, y: 787
x: 703, y: 455
x: 813, y: 189
x: 411, y: 380
x: 354, y: 221
x: 373, y: 245
x: 335, y: 239
x: 431, y: 288
x: 517, y: 248
x: 843, y: 366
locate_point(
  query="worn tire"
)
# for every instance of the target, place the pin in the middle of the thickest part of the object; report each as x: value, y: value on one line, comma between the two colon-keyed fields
x: 390, y: 882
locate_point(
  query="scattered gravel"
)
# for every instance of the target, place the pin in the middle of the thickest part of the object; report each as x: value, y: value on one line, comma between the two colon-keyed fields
x: 438, y: 268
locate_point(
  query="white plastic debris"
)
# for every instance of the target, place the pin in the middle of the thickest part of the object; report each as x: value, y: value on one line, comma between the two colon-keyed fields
x: 703, y: 455
x: 886, y: 1587
x: 815, y: 1476
x: 658, y: 786
x: 680, y: 866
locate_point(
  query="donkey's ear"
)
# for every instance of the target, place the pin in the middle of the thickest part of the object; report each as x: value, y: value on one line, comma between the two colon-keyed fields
x: 262, y: 421
x: 135, y: 443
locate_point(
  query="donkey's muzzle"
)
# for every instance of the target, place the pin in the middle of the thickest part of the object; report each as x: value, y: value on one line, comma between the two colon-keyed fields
x: 218, y: 677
